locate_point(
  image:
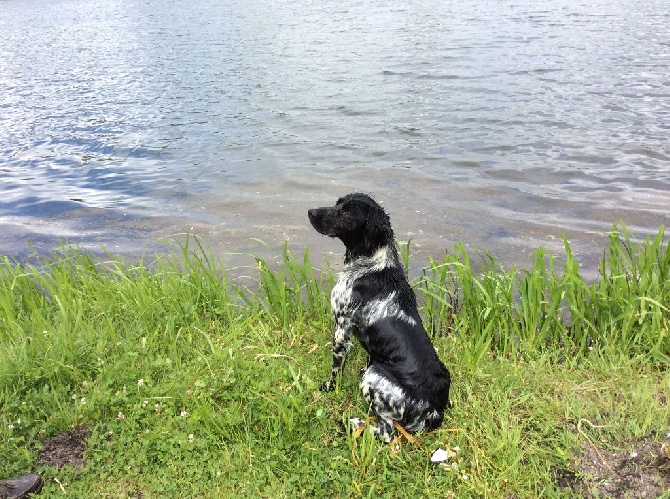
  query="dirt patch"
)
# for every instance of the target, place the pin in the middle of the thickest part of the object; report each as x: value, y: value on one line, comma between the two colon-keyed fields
x: 640, y: 469
x: 66, y: 449
x: 566, y: 479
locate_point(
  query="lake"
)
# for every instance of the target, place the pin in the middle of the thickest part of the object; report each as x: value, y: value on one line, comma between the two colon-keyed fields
x: 125, y: 124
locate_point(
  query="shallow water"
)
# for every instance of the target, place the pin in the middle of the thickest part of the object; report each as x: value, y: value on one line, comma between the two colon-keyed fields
x: 125, y: 124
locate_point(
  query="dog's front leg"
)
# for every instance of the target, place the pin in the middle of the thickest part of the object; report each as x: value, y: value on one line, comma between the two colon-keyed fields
x: 341, y: 346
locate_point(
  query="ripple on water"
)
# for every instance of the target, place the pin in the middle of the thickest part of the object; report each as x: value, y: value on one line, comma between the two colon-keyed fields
x: 501, y: 127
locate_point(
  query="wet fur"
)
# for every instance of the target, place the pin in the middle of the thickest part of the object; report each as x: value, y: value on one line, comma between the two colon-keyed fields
x: 404, y: 381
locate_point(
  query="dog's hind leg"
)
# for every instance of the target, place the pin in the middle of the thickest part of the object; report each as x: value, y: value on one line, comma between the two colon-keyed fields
x: 386, y: 397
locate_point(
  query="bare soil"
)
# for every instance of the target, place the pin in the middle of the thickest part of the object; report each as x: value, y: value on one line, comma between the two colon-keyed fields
x: 640, y: 469
x: 66, y: 449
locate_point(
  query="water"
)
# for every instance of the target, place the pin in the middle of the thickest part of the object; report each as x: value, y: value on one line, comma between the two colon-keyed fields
x: 126, y: 123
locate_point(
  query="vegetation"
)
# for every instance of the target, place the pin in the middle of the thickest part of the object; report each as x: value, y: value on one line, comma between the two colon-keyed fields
x: 190, y: 385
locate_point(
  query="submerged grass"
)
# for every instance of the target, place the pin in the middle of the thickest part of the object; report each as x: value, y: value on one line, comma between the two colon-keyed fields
x: 194, y: 386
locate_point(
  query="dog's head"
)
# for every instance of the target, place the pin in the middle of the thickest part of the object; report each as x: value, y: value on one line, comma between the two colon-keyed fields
x: 358, y: 221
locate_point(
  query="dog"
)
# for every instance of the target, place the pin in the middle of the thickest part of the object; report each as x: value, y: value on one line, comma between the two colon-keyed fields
x: 405, y: 382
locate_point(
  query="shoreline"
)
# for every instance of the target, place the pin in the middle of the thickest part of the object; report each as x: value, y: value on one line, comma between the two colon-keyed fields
x: 28, y: 239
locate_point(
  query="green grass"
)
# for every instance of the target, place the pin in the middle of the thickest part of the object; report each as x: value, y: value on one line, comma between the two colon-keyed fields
x: 194, y: 386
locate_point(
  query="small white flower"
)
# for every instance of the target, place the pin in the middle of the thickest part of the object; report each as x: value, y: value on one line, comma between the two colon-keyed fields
x: 140, y: 382
x: 465, y: 477
x: 145, y: 403
x: 191, y: 438
x: 633, y: 455
x: 11, y: 427
x: 157, y: 408
x: 184, y: 414
x: 121, y: 416
x: 83, y: 400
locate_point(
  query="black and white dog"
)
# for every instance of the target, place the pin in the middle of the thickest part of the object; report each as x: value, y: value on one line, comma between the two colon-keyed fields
x: 405, y: 381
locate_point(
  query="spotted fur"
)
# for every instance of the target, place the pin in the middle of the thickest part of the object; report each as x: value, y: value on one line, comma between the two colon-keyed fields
x: 404, y: 381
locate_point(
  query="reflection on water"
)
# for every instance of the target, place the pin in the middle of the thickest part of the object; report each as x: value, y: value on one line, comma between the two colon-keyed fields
x: 499, y: 125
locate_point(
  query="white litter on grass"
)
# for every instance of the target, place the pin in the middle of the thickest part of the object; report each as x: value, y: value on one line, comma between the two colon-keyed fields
x: 441, y: 456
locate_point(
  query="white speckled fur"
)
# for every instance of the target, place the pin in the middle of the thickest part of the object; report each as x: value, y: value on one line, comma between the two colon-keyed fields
x: 383, y: 308
x: 392, y: 404
x: 345, y: 312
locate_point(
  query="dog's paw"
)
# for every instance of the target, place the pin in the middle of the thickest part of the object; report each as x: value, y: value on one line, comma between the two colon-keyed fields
x: 327, y: 386
x: 353, y: 426
x: 356, y: 423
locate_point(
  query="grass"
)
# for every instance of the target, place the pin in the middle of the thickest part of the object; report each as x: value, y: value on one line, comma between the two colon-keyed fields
x: 194, y: 386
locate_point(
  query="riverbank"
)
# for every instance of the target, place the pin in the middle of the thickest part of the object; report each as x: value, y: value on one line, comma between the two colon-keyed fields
x: 167, y: 378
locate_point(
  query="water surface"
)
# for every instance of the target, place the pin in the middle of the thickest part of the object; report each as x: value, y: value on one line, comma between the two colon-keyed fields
x: 124, y: 123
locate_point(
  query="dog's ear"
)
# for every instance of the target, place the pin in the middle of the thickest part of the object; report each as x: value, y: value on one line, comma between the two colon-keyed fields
x: 378, y: 231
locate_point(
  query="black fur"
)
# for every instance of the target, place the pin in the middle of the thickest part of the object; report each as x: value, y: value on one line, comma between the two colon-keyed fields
x: 405, y: 381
